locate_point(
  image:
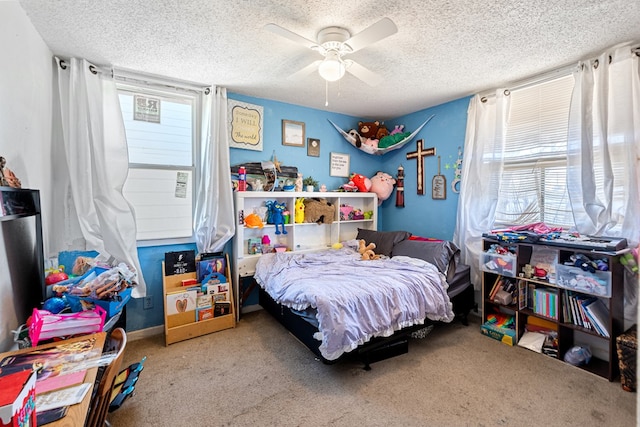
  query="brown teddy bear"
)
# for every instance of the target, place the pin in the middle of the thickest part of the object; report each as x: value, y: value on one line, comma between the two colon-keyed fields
x: 367, y: 250
x: 319, y: 211
x: 372, y: 130
x: 368, y: 129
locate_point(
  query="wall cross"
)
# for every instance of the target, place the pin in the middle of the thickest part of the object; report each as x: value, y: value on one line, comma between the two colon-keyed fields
x: 419, y: 155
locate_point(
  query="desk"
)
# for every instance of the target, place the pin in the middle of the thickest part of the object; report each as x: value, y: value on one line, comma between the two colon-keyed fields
x: 77, y: 414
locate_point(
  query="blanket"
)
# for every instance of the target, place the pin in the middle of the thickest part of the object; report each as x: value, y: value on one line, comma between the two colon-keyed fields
x: 355, y: 300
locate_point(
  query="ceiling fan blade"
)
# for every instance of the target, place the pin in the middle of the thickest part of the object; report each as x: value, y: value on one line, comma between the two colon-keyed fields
x: 283, y: 32
x: 378, y: 31
x: 364, y: 74
x: 298, y: 75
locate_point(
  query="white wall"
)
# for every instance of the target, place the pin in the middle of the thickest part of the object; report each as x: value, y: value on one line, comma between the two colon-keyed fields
x: 25, y: 104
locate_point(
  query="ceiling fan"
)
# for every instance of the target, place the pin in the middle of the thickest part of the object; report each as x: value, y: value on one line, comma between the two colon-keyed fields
x: 333, y: 43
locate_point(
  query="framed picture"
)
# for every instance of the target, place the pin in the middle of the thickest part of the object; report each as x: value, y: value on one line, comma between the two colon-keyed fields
x: 292, y: 133
x: 339, y: 165
x: 246, y: 125
x: 313, y: 147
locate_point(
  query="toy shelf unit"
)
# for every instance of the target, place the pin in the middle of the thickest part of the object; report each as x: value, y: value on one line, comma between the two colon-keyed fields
x: 248, y: 244
x: 185, y: 324
x: 573, y: 296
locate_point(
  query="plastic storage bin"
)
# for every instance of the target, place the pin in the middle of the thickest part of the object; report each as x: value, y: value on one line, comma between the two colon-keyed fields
x: 505, y: 265
x: 579, y: 280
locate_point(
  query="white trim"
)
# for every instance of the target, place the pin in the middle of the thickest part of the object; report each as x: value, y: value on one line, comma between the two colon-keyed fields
x: 145, y: 333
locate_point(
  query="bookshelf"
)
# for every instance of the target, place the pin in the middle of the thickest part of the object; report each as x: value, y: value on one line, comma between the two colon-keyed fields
x: 184, y: 325
x: 554, y: 300
x: 300, y: 237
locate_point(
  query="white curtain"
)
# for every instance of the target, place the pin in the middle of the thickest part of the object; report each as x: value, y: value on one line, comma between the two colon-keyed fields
x: 603, y: 174
x: 486, y: 127
x: 92, y: 162
x: 604, y: 145
x: 214, y: 213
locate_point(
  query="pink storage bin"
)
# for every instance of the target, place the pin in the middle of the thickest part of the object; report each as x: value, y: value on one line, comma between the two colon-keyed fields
x: 46, y: 325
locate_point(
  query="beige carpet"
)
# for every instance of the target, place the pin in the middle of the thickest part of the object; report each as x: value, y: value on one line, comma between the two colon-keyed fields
x: 259, y: 375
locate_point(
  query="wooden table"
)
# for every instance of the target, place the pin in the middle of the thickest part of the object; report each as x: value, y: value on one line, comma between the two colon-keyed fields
x: 77, y: 414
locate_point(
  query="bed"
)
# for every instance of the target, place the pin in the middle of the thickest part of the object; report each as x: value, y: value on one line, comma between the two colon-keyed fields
x: 340, y: 306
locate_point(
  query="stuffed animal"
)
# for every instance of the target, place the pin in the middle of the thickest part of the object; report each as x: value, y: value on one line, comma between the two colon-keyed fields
x: 278, y: 217
x: 299, y: 212
x: 382, y: 184
x: 382, y: 131
x: 319, y: 211
x: 366, y: 251
x: 362, y: 183
x: 356, y: 137
x: 397, y: 129
x: 368, y: 129
x: 370, y: 142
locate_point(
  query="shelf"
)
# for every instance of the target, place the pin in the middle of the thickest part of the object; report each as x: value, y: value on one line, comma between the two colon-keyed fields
x: 555, y: 302
x: 182, y: 326
x: 301, y: 237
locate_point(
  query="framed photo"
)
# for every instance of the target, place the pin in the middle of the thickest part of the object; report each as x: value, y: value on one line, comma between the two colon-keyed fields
x: 292, y: 133
x: 339, y: 165
x: 313, y: 147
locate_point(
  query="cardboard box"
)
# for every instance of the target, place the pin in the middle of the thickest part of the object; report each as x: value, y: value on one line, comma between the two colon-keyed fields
x: 505, y: 335
x: 18, y: 399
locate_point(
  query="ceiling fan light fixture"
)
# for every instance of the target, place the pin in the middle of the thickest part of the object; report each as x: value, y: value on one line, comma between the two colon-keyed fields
x: 332, y: 68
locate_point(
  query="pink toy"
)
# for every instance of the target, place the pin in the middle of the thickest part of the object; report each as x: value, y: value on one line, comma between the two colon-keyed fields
x: 397, y: 129
x: 382, y: 184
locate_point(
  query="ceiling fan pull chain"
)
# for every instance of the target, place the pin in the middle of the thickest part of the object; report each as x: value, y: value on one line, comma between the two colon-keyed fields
x: 326, y: 93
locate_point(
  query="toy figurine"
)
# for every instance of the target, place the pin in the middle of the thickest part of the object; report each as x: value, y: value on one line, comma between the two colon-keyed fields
x: 278, y: 217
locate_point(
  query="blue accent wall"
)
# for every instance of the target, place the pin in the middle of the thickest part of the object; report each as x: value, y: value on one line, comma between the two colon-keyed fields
x: 421, y: 215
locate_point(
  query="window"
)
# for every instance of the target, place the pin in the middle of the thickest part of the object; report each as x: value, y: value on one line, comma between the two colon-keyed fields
x: 161, y: 133
x: 533, y: 185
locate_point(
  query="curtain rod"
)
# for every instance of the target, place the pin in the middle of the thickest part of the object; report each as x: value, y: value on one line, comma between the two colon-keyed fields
x: 548, y: 75
x: 152, y: 79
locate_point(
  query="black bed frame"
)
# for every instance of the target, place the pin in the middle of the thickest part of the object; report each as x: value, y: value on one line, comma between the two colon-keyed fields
x: 376, y: 349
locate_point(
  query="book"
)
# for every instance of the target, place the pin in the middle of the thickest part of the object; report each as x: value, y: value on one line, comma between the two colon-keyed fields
x: 213, y: 264
x: 497, y: 285
x: 205, y: 314
x: 181, y: 302
x: 599, y: 315
x: 179, y: 262
x: 221, y: 308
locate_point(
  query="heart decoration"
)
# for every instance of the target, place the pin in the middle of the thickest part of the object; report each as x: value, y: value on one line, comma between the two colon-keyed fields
x: 181, y: 305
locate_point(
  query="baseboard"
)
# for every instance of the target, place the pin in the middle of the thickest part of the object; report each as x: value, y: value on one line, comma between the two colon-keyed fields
x: 145, y: 333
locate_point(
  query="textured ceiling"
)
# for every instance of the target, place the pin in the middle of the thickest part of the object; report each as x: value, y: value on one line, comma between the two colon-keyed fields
x: 443, y: 49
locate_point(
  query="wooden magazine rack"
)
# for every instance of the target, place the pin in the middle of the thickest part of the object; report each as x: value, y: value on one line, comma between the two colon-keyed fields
x: 183, y: 326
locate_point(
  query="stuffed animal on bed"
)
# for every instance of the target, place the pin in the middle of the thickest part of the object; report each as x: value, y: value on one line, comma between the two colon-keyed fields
x: 319, y: 211
x: 366, y: 251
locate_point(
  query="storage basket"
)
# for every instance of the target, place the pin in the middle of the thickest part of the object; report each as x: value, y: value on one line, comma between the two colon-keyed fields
x: 627, y: 346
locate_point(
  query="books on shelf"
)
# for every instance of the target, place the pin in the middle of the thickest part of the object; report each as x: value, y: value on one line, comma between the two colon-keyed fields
x: 545, y: 302
x: 586, y: 311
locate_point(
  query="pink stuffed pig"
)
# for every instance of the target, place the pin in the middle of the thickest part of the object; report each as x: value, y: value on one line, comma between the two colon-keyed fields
x: 382, y: 184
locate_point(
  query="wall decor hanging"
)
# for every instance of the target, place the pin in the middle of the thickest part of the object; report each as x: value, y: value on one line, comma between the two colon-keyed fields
x: 246, y: 125
x: 313, y: 147
x: 339, y: 165
x: 398, y: 140
x: 293, y: 133
x: 419, y: 155
x: 439, y: 185
x: 400, y: 188
x: 457, y: 173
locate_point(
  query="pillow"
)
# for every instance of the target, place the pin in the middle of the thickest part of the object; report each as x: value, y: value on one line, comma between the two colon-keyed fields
x: 444, y: 255
x: 384, y: 240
